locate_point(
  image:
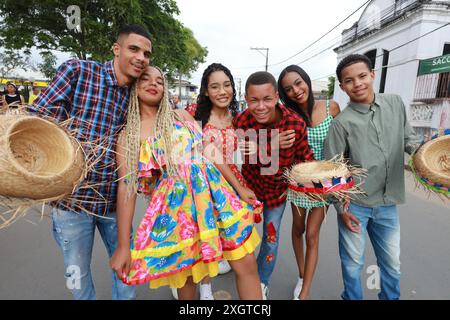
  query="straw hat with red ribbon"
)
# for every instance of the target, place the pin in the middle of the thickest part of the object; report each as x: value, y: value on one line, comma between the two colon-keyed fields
x: 318, y: 180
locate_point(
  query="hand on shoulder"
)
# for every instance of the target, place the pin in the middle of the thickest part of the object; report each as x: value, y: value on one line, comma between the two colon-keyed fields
x: 334, y: 108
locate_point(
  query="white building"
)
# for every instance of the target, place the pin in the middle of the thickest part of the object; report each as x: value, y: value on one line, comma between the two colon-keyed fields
x: 396, y: 35
x: 320, y: 89
x: 185, y: 90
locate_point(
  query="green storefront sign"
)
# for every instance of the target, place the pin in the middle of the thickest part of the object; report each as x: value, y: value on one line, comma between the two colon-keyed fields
x: 434, y: 65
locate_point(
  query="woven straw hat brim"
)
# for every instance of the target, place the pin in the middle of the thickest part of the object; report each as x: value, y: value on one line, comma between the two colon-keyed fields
x: 38, y: 159
x: 432, y: 161
x: 316, y: 171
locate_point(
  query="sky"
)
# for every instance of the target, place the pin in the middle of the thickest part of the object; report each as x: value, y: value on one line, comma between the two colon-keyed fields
x: 230, y: 28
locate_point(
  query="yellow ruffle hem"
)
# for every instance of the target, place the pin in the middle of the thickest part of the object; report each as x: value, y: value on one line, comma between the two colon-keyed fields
x: 201, y: 269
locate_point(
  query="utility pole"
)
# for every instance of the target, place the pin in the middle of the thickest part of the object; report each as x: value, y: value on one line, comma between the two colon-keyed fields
x: 239, y: 92
x: 179, y: 87
x: 265, y: 55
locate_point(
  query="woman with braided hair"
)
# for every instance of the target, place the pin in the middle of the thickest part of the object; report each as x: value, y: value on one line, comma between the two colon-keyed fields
x: 195, y: 218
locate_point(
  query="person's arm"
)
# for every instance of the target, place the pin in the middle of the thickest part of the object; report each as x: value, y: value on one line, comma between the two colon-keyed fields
x: 55, y: 101
x: 335, y: 141
x: 213, y: 154
x: 334, y: 108
x: 126, y: 202
x: 336, y: 144
x: 302, y: 150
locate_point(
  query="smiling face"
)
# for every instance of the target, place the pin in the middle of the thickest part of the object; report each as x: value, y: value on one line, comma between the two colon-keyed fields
x: 262, y: 101
x: 150, y: 87
x: 132, y: 55
x: 220, y: 89
x: 357, y: 82
x: 10, y: 89
x: 295, y: 88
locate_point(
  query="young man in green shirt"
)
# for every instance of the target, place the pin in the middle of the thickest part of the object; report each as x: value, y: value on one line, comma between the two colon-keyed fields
x: 373, y: 133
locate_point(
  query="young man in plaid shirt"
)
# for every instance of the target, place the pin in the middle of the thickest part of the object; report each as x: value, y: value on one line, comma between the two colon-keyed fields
x: 94, y: 96
x: 276, y: 152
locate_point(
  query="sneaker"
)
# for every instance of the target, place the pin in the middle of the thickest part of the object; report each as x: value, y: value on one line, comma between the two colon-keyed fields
x: 224, y: 267
x: 265, y: 291
x: 174, y: 293
x: 206, y: 292
x: 298, y: 288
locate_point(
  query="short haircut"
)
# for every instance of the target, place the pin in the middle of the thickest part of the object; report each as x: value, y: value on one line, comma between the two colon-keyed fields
x: 134, y: 28
x: 259, y: 78
x: 349, y: 60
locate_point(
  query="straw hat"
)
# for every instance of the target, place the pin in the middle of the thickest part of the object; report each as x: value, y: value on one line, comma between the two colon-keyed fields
x: 317, y: 180
x: 431, y: 164
x: 38, y: 159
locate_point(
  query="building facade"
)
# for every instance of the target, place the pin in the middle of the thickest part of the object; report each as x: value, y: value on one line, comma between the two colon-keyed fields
x: 186, y: 91
x: 400, y: 37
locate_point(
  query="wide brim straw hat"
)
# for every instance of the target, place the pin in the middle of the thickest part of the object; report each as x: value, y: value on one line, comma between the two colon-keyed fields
x: 12, y: 84
x: 39, y: 160
x: 317, y: 180
x: 431, y: 164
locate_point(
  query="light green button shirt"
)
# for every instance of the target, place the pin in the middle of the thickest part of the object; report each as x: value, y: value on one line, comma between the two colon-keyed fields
x: 375, y: 137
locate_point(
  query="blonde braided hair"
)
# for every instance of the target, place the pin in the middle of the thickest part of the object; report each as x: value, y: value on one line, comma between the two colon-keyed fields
x: 130, y: 138
x: 164, y: 127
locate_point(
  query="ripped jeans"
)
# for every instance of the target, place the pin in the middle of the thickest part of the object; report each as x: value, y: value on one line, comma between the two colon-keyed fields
x: 74, y: 234
x: 267, y: 256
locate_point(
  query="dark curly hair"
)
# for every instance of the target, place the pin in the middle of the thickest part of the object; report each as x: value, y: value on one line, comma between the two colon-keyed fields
x: 350, y: 60
x: 291, y: 104
x: 204, y: 104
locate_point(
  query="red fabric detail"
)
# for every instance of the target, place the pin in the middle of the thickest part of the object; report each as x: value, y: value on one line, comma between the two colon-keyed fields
x: 271, y: 233
x: 337, y: 187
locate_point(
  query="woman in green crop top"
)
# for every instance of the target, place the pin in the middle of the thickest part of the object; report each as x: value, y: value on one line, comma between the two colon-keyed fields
x: 294, y: 86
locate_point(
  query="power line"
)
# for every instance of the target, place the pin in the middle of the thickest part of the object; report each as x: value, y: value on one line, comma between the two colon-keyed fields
x: 398, y: 47
x: 309, y: 46
x: 313, y: 43
x: 329, y: 47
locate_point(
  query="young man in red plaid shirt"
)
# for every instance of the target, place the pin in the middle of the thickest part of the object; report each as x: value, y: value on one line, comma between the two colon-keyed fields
x: 282, y: 142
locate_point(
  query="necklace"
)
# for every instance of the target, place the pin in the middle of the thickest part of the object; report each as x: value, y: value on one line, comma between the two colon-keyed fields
x: 221, y: 122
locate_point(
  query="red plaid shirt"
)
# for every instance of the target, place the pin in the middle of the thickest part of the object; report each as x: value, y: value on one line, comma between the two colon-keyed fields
x: 270, y: 189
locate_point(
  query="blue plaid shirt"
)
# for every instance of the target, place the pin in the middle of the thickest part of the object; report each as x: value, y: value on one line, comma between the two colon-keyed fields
x: 88, y: 95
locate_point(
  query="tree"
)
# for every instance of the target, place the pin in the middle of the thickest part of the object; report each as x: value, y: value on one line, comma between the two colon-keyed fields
x: 12, y: 60
x: 48, y: 65
x: 49, y: 25
x: 331, y: 82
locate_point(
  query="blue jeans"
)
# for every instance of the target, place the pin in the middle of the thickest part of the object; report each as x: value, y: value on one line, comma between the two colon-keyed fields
x: 267, y: 256
x: 383, y: 227
x: 74, y: 234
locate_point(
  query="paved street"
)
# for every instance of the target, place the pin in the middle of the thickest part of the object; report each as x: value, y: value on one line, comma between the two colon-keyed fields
x: 32, y: 268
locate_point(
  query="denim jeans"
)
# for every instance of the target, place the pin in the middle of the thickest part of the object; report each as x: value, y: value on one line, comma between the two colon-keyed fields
x: 383, y: 227
x: 267, y: 256
x: 74, y: 234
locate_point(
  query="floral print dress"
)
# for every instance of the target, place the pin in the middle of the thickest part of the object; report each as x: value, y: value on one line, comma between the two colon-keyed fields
x: 226, y: 140
x: 194, y: 219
